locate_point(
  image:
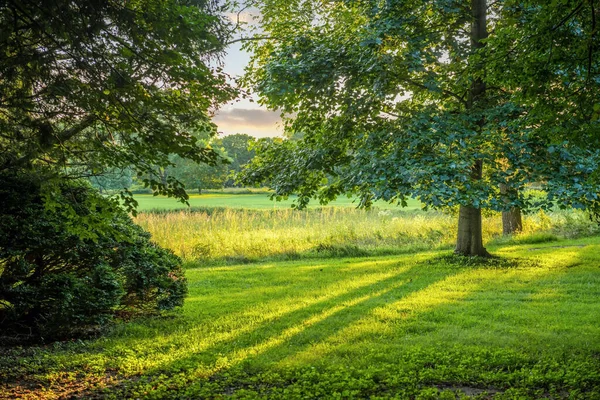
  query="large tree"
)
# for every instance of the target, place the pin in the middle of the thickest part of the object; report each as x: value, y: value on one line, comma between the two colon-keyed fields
x: 444, y: 101
x: 88, y: 86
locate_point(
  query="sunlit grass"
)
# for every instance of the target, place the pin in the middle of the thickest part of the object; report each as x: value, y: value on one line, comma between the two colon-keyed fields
x: 234, y: 236
x: 251, y: 200
x: 415, y: 325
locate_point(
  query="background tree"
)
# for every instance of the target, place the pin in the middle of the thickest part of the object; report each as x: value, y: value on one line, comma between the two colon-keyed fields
x: 114, y: 179
x: 196, y: 176
x: 406, y: 98
x: 234, y: 152
x: 238, y: 148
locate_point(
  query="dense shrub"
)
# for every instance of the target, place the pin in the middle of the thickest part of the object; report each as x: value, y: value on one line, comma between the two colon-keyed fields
x: 71, y: 259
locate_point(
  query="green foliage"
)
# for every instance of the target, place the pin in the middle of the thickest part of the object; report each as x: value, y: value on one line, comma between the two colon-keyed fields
x: 239, y: 149
x: 89, y: 86
x: 71, y: 267
x: 234, y: 153
x: 381, y: 96
x: 196, y: 176
x: 113, y: 180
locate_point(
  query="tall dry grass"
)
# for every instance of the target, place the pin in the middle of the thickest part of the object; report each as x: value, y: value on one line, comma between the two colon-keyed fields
x: 233, y: 235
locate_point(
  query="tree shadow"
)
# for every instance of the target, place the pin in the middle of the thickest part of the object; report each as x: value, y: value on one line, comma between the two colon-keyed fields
x: 402, y: 307
x: 524, y: 324
x: 295, y: 332
x: 336, y: 287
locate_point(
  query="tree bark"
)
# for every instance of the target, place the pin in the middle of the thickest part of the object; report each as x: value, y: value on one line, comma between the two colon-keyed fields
x: 469, y: 240
x: 511, y: 219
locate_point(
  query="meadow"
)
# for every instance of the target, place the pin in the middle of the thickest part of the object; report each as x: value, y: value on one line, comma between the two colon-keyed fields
x: 226, y: 234
x: 342, y: 303
x: 249, y: 199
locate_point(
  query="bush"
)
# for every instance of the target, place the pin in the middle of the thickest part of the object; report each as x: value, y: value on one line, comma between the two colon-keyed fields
x: 70, y: 260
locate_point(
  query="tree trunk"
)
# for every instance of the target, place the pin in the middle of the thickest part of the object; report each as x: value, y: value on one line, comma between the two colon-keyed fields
x: 163, y: 174
x: 469, y: 240
x: 511, y: 219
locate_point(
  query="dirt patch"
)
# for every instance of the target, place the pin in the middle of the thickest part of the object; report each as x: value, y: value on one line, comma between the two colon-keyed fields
x: 63, y: 386
x: 483, y: 393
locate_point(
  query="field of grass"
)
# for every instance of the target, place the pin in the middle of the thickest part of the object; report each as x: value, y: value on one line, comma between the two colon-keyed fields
x: 424, y: 325
x: 246, y: 201
x: 226, y: 236
x: 335, y: 302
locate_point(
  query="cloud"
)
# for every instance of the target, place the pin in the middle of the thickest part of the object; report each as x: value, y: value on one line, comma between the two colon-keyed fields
x: 253, y: 121
x: 245, y: 116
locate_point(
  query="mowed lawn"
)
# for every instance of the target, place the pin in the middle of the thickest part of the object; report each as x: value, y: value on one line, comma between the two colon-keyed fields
x: 424, y: 325
x: 247, y: 201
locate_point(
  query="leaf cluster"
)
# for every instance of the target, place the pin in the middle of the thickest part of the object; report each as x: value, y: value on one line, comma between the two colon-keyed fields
x: 381, y: 96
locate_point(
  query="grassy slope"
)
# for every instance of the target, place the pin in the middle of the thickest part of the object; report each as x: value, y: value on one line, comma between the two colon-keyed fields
x: 247, y: 201
x: 421, y: 325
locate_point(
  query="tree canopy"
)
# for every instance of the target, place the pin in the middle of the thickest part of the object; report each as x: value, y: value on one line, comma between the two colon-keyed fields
x: 88, y: 86
x: 443, y: 101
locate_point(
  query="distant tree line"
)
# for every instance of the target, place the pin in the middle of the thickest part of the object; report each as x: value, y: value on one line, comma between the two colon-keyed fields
x: 235, y: 151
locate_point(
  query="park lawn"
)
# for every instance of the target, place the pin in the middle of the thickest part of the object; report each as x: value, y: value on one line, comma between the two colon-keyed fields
x: 422, y: 325
x: 247, y: 201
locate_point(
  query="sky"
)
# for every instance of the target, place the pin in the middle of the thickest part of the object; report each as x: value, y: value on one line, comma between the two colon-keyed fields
x: 244, y: 116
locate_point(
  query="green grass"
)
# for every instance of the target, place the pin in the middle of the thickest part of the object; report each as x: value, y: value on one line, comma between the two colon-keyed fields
x: 423, y: 325
x: 246, y: 201
x: 226, y: 236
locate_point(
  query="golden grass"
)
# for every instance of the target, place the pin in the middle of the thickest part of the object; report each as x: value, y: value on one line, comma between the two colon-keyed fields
x: 240, y: 235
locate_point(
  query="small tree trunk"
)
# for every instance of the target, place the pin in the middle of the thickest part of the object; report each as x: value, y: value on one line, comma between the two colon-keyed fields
x: 163, y: 174
x: 511, y: 219
x: 470, y: 240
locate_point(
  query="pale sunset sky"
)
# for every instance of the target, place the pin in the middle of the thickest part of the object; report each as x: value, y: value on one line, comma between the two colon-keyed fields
x: 244, y: 116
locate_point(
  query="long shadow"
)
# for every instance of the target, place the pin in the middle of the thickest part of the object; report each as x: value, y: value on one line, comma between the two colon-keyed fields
x: 297, y: 330
x: 305, y: 308
x: 397, y: 304
x: 262, y: 310
x: 367, y: 297
x: 533, y: 328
